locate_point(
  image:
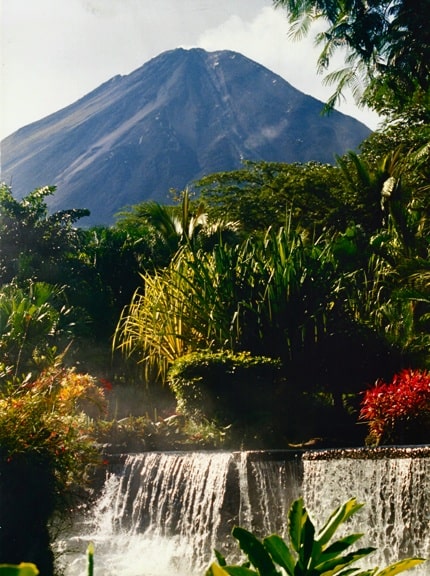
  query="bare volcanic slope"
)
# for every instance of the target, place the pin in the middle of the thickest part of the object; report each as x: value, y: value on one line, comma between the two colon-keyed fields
x: 182, y: 115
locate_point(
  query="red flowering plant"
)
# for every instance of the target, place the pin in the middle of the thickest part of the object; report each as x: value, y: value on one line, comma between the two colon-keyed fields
x: 398, y: 412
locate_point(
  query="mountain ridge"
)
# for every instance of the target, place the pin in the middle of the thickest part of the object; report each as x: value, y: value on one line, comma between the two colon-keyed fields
x: 182, y: 115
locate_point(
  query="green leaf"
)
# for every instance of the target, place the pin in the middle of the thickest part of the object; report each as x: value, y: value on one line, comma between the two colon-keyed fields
x: 336, y: 548
x: 334, y: 565
x: 216, y: 570
x: 339, y: 516
x: 308, y: 533
x: 220, y: 558
x: 280, y: 553
x: 23, y: 569
x: 239, y: 571
x: 400, y: 566
x: 296, y: 519
x: 353, y: 572
x: 256, y: 552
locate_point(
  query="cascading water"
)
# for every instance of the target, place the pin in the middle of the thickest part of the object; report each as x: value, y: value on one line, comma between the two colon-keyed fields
x: 160, y: 512
x: 168, y: 511
x: 394, y: 485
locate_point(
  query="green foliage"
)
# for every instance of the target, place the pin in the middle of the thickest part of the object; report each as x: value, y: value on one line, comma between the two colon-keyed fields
x: 44, y: 419
x: 311, y: 194
x: 172, y: 227
x: 32, y: 322
x: 386, y: 47
x: 225, y: 387
x: 390, y: 293
x: 106, y: 274
x: 173, y: 432
x: 308, y: 553
x: 23, y: 569
x: 33, y: 242
x: 269, y: 296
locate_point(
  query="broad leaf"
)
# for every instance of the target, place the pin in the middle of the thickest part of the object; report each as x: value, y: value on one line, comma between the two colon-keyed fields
x: 23, y: 569
x: 335, y: 565
x: 220, y: 558
x: 357, y: 572
x: 308, y: 533
x: 256, y: 552
x: 280, y: 553
x: 216, y: 570
x: 337, y: 518
x: 240, y: 571
x: 335, y: 549
x: 400, y: 566
x: 296, y: 519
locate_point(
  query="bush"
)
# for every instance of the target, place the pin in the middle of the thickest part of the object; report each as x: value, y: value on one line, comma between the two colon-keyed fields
x: 48, y: 418
x: 225, y: 387
x: 46, y: 447
x: 398, y: 412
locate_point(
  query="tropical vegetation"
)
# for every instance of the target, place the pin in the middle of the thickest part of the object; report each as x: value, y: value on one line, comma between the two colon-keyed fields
x: 308, y: 552
x: 47, y: 449
x: 286, y: 289
x: 398, y: 412
x: 385, y: 44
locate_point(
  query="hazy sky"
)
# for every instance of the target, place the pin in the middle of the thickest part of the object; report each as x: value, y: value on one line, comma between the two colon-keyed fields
x: 55, y: 51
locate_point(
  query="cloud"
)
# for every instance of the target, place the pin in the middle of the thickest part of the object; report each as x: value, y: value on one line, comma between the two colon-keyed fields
x: 56, y: 51
x: 265, y: 39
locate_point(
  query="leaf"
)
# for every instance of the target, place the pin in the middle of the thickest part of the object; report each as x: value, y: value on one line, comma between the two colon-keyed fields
x: 339, y: 516
x: 280, y: 553
x: 353, y: 572
x: 220, y: 558
x: 308, y: 533
x: 255, y: 551
x: 337, y: 547
x: 296, y: 519
x: 240, y: 571
x: 333, y: 566
x: 216, y: 570
x: 23, y: 569
x: 400, y: 566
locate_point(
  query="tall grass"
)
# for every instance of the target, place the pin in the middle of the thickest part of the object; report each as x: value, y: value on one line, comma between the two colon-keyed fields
x: 266, y: 294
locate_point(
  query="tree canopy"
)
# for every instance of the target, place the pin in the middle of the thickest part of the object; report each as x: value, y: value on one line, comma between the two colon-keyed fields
x: 386, y: 43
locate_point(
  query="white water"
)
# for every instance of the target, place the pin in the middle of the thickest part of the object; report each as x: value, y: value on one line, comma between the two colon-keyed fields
x: 166, y: 512
x: 396, y: 492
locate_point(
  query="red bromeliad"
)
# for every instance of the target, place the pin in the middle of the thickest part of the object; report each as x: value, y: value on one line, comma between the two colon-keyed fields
x: 398, y: 412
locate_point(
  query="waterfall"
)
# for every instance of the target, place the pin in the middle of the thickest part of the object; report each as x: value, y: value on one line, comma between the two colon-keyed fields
x: 160, y: 512
x: 167, y: 511
x: 395, y: 491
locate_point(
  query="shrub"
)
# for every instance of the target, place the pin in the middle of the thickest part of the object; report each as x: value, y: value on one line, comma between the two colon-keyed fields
x: 398, y: 412
x: 32, y: 322
x: 48, y: 418
x: 46, y: 447
x: 225, y: 387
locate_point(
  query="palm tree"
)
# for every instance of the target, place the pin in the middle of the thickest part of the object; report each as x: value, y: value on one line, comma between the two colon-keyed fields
x: 393, y: 295
x: 387, y: 45
x: 178, y: 226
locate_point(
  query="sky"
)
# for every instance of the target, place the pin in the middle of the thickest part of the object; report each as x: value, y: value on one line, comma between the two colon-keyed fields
x: 53, y: 52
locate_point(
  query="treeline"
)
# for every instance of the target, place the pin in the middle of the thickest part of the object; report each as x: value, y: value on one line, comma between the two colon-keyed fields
x: 323, y: 268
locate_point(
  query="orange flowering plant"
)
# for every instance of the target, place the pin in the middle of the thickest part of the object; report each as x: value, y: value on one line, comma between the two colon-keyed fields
x: 50, y: 419
x: 398, y: 412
